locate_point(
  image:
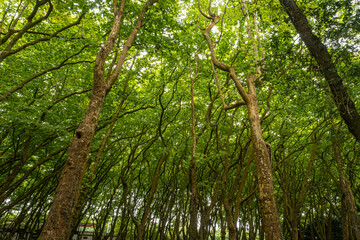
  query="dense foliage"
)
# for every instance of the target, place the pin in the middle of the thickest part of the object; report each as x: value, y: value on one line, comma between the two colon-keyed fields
x: 140, y: 158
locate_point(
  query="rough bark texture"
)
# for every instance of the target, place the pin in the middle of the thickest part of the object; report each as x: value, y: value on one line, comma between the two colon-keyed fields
x: 270, y: 217
x: 85, y: 190
x: 319, y: 51
x: 58, y: 223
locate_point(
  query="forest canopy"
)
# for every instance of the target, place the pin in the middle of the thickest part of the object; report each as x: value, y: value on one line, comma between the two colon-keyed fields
x: 180, y: 119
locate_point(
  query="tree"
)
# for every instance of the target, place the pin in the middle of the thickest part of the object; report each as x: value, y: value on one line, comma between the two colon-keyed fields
x: 318, y: 50
x: 169, y: 146
x: 262, y: 150
x: 57, y: 225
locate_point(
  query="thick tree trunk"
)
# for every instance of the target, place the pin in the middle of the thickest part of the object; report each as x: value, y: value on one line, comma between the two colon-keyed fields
x: 58, y: 222
x: 269, y: 213
x: 319, y: 51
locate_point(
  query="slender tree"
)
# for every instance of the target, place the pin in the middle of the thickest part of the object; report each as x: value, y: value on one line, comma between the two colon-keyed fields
x: 271, y: 221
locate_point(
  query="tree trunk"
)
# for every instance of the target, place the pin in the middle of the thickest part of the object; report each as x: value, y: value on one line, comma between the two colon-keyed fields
x: 349, y: 202
x: 58, y: 222
x: 153, y: 189
x: 229, y: 218
x: 193, y: 233
x: 319, y: 51
x: 345, y: 219
x: 222, y: 225
x: 294, y: 228
x: 270, y: 218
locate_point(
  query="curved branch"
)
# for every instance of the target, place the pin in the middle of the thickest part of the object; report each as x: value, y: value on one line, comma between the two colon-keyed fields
x: 202, y: 13
x: 210, y: 12
x: 7, y: 52
x: 63, y: 63
x: 222, y: 23
x: 222, y: 65
x: 42, y: 117
x: 30, y: 24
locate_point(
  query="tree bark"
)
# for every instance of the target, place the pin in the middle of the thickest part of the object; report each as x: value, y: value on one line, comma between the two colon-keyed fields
x: 345, y: 219
x: 58, y: 223
x: 318, y: 50
x: 348, y: 201
x: 193, y: 233
x: 270, y: 217
x: 269, y: 212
